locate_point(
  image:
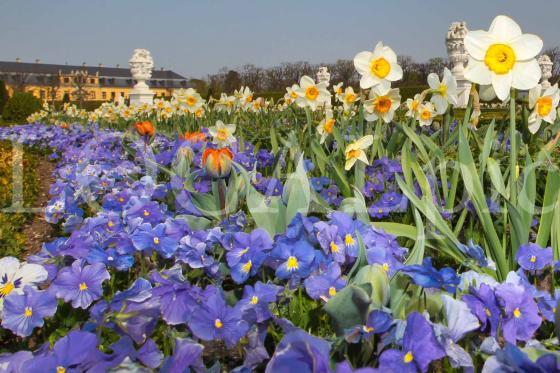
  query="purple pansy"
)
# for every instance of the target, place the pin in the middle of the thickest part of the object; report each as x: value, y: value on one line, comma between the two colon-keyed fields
x: 532, y: 257
x: 24, y: 312
x: 81, y: 284
x: 295, y: 259
x: 522, y: 317
x: 325, y: 285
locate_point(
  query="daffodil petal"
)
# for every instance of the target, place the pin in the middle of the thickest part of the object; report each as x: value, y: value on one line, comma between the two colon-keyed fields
x: 502, y: 85
x: 477, y: 43
x: 526, y: 46
x: 504, y: 28
x: 526, y: 74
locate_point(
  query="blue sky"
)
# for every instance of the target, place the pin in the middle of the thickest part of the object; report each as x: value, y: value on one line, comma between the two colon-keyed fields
x: 195, y: 38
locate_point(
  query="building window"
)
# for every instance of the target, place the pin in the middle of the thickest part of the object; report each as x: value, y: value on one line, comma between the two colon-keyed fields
x: 104, y: 95
x: 42, y: 94
x: 113, y: 95
x: 92, y: 81
x: 92, y: 95
x: 66, y: 80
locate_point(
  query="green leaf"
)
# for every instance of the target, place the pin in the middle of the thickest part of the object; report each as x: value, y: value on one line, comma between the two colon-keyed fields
x: 297, y: 192
x: 348, y: 308
x: 376, y: 277
x: 549, y: 201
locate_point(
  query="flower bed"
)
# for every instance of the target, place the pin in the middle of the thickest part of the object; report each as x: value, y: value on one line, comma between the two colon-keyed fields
x: 303, y: 236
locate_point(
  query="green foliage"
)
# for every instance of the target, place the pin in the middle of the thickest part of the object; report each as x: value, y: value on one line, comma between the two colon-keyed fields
x: 66, y: 98
x: 20, y: 106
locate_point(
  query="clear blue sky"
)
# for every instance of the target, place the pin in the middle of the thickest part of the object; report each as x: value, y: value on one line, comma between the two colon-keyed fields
x: 195, y: 38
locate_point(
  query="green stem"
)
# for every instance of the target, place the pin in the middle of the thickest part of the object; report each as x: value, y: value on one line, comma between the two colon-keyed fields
x: 513, y: 150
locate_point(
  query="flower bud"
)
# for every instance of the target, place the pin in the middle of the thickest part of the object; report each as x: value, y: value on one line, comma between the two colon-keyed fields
x: 217, y: 162
x: 145, y: 128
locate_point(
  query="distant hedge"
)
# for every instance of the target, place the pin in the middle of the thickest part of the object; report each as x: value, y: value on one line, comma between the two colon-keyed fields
x: 20, y: 106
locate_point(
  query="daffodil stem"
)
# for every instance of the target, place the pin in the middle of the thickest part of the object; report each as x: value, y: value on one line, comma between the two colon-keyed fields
x: 513, y: 150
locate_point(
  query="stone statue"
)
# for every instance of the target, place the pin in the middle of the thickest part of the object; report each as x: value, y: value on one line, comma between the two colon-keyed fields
x: 546, y: 67
x: 455, y: 42
x: 323, y: 75
x: 141, y: 64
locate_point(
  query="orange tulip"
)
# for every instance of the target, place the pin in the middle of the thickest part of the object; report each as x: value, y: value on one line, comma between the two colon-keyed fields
x: 145, y: 128
x: 217, y: 162
x: 195, y: 136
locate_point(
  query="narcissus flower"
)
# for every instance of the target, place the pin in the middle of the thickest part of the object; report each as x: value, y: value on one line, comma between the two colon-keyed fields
x: 189, y: 99
x: 382, y: 103
x: 544, y: 102
x: 325, y: 128
x: 222, y: 133
x: 355, y: 151
x: 503, y: 57
x: 413, y: 104
x: 378, y: 67
x: 426, y: 113
x: 348, y: 98
x: 217, y: 162
x: 291, y: 94
x: 444, y: 92
x: 312, y: 94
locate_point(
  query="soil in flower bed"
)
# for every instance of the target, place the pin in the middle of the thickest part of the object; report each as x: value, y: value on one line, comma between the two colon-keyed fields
x: 37, y: 230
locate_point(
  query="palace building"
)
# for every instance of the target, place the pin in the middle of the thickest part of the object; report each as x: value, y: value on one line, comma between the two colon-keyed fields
x: 94, y: 83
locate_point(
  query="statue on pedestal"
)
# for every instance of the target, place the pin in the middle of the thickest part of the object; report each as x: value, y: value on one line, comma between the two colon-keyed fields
x: 546, y: 67
x: 455, y: 42
x: 141, y: 64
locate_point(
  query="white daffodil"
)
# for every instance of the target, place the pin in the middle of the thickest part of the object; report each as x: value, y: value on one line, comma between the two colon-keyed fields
x: 325, y: 128
x: 225, y: 103
x: 348, y: 98
x: 245, y: 97
x: 444, y: 92
x: 355, y: 151
x: 382, y: 103
x: 503, y: 57
x: 312, y: 94
x: 189, y: 98
x: 377, y: 67
x: 222, y: 133
x: 426, y: 113
x: 291, y: 94
x: 338, y: 91
x: 15, y: 275
x: 544, y: 103
x: 412, y: 106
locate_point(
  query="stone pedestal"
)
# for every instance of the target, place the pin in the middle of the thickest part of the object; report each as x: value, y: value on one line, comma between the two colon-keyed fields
x: 141, y: 65
x: 546, y: 67
x: 458, y: 57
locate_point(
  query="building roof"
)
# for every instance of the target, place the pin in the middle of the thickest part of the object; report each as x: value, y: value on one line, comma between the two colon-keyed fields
x: 108, y: 76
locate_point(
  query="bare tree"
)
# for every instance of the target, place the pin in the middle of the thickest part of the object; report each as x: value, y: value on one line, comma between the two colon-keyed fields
x: 19, y: 81
x: 554, y: 54
x: 80, y: 81
x: 53, y: 86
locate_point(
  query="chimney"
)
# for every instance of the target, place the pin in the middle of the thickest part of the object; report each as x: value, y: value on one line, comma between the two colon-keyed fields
x: 18, y: 60
x: 100, y: 65
x: 37, y: 60
x: 118, y: 65
x: 83, y: 64
x: 161, y: 69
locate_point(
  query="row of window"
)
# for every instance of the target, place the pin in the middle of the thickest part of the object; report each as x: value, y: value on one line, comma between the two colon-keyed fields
x: 92, y: 95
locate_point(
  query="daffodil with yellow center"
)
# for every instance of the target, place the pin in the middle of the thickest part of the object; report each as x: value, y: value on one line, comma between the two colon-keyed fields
x: 382, y: 103
x: 379, y: 67
x: 544, y: 103
x: 426, y: 113
x: 412, y: 105
x: 311, y: 94
x: 326, y: 126
x: 444, y: 92
x: 355, y: 151
x: 503, y: 56
x: 222, y: 133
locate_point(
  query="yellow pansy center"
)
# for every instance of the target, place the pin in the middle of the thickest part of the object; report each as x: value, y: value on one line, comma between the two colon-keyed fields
x: 28, y: 312
x: 349, y: 240
x: 380, y: 67
x: 311, y: 93
x: 500, y: 58
x: 191, y: 100
x: 517, y: 313
x: 83, y: 286
x: 382, y: 104
x: 328, y: 126
x: 334, y: 247
x: 385, y: 267
x: 332, y: 291
x: 222, y: 134
x: 533, y: 259
x: 367, y: 329
x: 110, y: 224
x: 292, y: 263
x: 544, y: 106
x: 218, y: 323
x: 60, y: 369
x: 487, y: 312
x: 156, y: 240
x: 247, y: 266
x: 408, y: 357
x: 6, y: 289
x: 254, y: 299
x: 146, y: 213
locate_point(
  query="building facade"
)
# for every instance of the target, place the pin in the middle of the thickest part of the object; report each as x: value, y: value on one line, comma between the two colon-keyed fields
x: 51, y: 82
